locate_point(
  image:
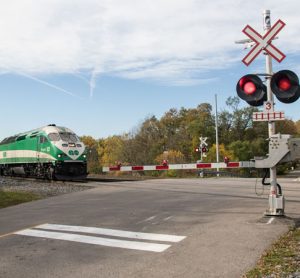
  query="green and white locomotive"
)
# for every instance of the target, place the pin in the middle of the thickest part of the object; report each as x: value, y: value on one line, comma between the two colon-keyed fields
x: 50, y: 152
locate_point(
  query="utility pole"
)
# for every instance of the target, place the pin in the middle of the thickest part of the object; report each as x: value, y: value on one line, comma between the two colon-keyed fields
x: 217, y: 135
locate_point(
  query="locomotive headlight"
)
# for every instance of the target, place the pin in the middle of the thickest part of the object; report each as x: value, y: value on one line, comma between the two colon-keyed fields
x: 59, y: 156
x: 84, y: 156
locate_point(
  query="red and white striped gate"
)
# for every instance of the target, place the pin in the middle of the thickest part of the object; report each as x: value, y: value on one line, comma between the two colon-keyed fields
x: 189, y: 166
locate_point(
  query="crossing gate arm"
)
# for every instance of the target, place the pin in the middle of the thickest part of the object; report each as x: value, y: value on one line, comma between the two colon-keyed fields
x: 189, y: 166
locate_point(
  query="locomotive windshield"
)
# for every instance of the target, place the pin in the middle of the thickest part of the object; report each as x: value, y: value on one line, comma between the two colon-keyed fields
x: 54, y: 136
x: 64, y: 136
x: 68, y: 137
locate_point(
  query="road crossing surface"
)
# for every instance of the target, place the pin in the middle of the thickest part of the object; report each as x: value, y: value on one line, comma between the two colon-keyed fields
x: 155, y: 228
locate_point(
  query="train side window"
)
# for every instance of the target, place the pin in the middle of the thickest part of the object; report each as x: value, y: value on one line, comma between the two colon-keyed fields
x: 9, y: 140
x: 34, y: 134
x: 20, y: 138
x: 43, y: 139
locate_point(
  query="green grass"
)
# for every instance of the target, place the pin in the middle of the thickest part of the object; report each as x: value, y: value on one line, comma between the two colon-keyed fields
x: 281, y: 259
x: 8, y: 198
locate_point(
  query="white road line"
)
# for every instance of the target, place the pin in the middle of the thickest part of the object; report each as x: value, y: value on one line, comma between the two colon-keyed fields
x: 270, y: 220
x: 150, y: 218
x: 111, y: 232
x: 144, y: 246
x: 147, y: 219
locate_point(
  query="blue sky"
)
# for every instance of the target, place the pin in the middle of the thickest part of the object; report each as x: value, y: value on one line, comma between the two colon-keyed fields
x: 100, y: 67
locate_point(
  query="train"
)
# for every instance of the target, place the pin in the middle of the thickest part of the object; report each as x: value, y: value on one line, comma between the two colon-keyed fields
x: 50, y: 152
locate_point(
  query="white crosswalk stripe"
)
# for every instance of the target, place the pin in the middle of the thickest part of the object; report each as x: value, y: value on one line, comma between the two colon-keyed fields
x: 59, y: 232
x: 111, y: 232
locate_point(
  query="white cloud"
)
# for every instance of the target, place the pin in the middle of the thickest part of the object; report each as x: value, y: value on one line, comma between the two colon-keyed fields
x: 175, y: 41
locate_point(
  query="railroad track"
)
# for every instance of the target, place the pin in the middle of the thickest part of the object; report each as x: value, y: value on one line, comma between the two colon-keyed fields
x: 87, y: 180
x: 48, y: 188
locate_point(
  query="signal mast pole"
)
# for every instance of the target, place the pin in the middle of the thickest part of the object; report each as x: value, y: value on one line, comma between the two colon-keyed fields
x: 272, y: 209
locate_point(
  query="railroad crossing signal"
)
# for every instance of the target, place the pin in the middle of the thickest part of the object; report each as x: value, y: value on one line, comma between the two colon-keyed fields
x: 203, y: 146
x: 284, y: 84
x: 263, y: 43
x: 251, y: 89
x: 204, y: 150
x: 203, y: 141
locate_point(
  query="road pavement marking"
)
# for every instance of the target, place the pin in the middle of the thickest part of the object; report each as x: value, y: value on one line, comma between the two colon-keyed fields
x: 12, y: 233
x: 144, y: 246
x: 150, y: 218
x: 147, y: 219
x: 58, y: 233
x: 270, y: 220
x: 111, y: 232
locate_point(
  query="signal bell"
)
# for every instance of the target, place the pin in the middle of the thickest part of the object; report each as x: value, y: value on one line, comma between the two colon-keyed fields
x: 251, y: 89
x: 285, y: 86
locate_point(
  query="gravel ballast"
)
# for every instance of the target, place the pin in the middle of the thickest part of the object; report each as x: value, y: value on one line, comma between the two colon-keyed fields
x: 42, y: 188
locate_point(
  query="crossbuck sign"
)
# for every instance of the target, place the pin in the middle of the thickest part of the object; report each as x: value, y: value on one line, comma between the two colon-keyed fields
x: 203, y: 141
x: 263, y: 43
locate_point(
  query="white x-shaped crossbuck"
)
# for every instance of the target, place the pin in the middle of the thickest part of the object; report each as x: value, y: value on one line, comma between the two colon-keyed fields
x: 263, y: 43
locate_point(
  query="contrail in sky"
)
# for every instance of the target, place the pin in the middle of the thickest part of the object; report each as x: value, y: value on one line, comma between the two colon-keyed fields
x: 49, y: 84
x: 91, y: 82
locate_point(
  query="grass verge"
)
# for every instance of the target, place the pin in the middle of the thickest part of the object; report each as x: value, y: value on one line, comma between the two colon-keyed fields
x: 8, y: 198
x: 281, y: 260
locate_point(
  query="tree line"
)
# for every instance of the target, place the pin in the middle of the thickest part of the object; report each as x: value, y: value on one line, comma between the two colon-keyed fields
x: 175, y: 136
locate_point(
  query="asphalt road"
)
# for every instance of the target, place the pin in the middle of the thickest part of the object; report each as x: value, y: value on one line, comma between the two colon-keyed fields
x: 155, y: 228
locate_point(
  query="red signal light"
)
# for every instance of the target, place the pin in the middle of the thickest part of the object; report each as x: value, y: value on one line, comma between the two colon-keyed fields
x: 251, y: 89
x: 284, y: 84
x: 247, y: 85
